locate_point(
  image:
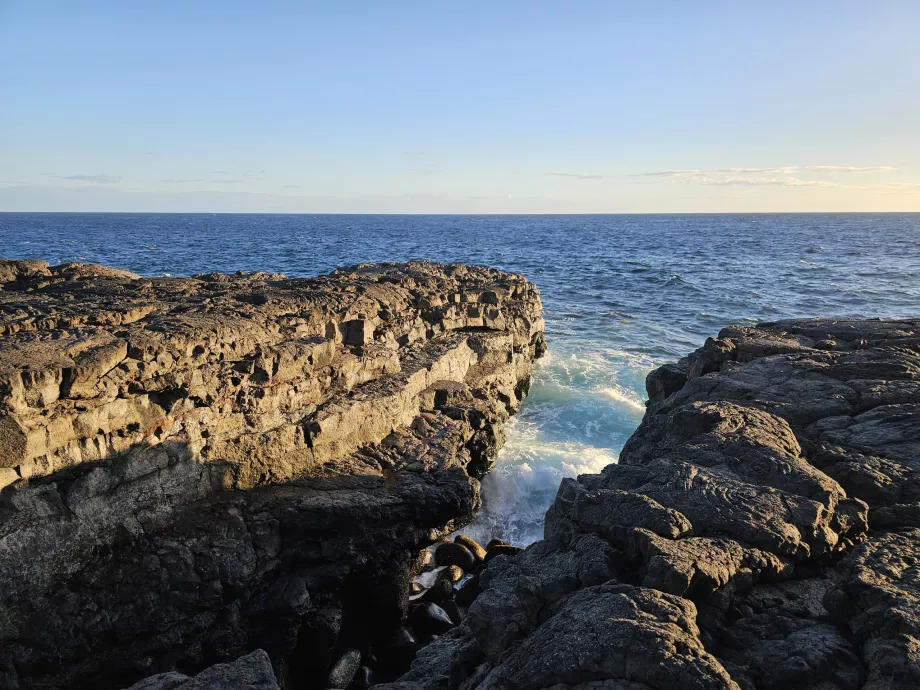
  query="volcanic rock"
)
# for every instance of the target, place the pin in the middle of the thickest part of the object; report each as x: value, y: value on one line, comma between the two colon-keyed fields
x: 760, y: 531
x: 193, y: 468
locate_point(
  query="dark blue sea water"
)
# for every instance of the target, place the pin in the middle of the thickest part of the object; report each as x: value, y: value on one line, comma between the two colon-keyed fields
x: 622, y: 294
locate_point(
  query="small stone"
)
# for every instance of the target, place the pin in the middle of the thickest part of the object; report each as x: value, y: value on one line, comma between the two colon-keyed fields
x: 429, y: 618
x: 451, y: 573
x: 442, y: 590
x: 451, y: 553
x: 453, y: 611
x: 468, y: 591
x: 344, y: 669
x: 474, y: 546
x: 425, y: 560
x: 396, y: 652
x: 496, y: 542
x: 364, y: 678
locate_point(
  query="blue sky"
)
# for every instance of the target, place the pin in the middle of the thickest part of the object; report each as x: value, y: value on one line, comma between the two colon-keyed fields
x: 537, y: 106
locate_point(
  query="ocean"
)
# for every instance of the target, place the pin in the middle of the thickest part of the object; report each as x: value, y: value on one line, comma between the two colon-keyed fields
x: 622, y: 294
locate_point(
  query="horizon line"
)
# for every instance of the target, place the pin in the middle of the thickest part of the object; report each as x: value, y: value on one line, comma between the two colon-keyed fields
x: 500, y: 213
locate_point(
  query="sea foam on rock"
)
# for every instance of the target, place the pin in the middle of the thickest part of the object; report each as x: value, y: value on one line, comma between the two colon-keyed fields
x: 195, y: 468
x: 761, y: 531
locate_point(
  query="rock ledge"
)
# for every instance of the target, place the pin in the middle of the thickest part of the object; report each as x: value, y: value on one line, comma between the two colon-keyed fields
x: 195, y: 468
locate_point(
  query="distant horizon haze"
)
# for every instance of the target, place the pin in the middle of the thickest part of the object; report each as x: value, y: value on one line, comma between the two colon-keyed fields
x: 540, y: 107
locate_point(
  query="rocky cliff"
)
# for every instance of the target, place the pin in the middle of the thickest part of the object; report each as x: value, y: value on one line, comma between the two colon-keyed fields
x: 195, y: 468
x: 761, y: 531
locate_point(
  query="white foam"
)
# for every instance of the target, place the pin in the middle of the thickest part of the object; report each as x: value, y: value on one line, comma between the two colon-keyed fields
x: 624, y: 397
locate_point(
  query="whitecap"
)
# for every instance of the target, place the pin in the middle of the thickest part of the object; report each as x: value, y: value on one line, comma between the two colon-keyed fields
x: 624, y: 397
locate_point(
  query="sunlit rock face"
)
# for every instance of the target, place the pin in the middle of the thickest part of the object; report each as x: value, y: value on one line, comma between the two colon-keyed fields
x: 760, y: 531
x: 194, y: 468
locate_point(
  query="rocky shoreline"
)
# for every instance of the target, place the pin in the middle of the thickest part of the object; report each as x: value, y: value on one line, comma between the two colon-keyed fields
x: 195, y: 468
x: 247, y: 482
x: 760, y: 531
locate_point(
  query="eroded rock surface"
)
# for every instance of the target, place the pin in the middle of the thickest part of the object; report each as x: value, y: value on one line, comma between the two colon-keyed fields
x: 194, y: 468
x: 760, y: 531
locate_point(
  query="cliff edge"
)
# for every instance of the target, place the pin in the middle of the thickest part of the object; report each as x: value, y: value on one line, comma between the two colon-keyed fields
x: 195, y: 468
x: 760, y: 531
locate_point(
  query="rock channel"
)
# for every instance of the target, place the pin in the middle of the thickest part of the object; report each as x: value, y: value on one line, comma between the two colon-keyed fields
x: 760, y: 531
x: 192, y: 469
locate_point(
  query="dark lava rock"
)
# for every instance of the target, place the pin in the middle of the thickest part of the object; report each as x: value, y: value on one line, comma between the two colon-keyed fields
x: 364, y: 678
x: 344, y: 669
x: 474, y: 547
x: 502, y: 550
x: 452, y: 553
x: 451, y: 573
x: 429, y: 618
x: 452, y: 610
x: 730, y: 547
x: 468, y: 591
x: 441, y: 590
x: 191, y: 468
x: 250, y: 672
x: 395, y: 653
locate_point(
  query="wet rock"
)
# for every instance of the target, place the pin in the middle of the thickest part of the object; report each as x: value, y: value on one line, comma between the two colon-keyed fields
x: 451, y: 573
x: 452, y: 610
x: 474, y: 547
x: 442, y: 590
x: 453, y: 553
x: 429, y: 618
x: 496, y: 542
x: 502, y: 550
x: 468, y: 591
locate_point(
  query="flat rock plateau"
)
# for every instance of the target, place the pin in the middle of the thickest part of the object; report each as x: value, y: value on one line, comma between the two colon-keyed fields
x: 760, y: 531
x: 225, y: 481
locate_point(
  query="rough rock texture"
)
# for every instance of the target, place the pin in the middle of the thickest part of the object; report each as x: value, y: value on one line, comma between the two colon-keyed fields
x: 250, y: 672
x: 193, y: 468
x: 761, y: 531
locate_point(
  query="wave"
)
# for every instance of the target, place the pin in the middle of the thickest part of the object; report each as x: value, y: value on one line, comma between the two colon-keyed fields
x: 624, y: 397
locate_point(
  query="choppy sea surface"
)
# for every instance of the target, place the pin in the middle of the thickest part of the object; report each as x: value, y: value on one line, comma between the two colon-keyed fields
x: 622, y: 294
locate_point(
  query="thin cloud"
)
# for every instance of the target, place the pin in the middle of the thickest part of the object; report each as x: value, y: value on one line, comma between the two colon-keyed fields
x: 848, y: 169
x: 786, y: 170
x: 198, y: 179
x: 899, y: 186
x: 95, y: 179
x: 785, y: 176
x: 788, y: 181
x: 783, y: 170
x: 291, y: 186
x: 578, y: 176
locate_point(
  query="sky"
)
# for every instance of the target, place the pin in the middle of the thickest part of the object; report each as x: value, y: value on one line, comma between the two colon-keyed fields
x: 506, y: 106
